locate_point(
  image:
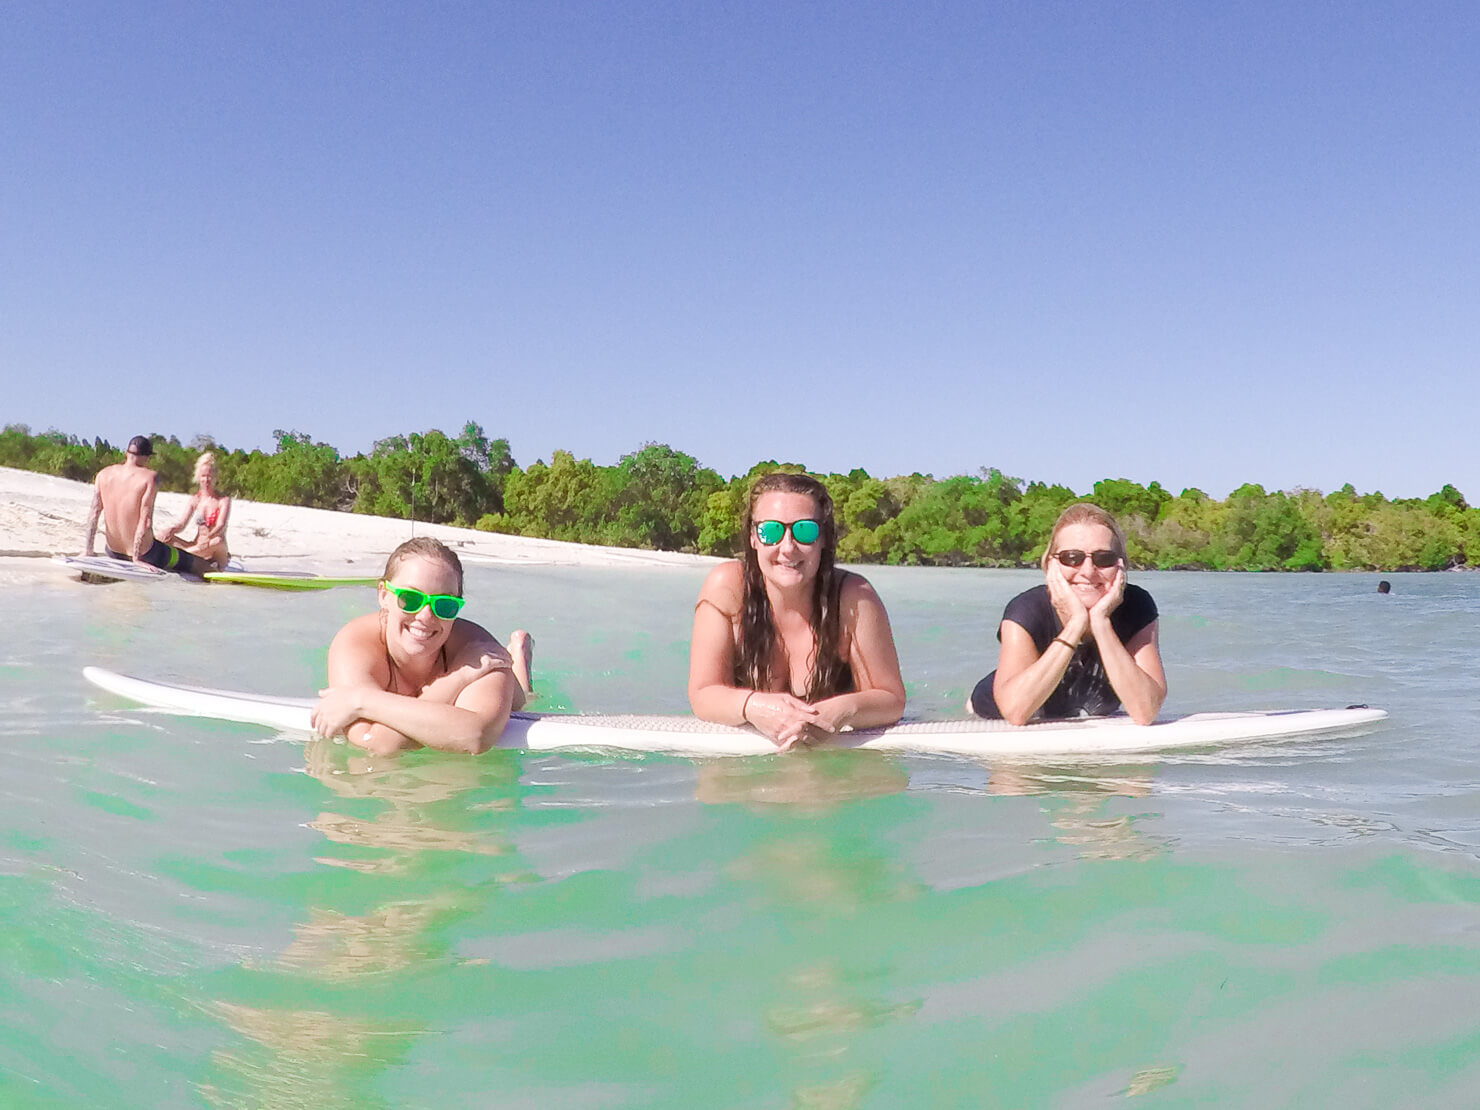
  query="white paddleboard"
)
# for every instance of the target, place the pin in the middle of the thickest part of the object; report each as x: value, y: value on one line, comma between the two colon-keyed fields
x: 690, y: 736
x: 120, y: 570
x: 126, y: 570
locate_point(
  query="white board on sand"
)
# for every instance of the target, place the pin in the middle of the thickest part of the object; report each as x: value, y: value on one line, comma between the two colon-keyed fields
x: 105, y: 566
x: 123, y: 570
x: 690, y: 736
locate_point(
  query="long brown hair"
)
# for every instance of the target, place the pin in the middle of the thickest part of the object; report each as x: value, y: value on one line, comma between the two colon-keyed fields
x: 758, y: 655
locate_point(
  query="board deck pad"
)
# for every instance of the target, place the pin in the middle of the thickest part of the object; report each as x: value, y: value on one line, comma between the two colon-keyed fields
x: 1091, y: 736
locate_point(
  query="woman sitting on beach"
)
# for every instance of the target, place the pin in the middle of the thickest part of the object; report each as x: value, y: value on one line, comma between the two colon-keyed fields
x: 782, y: 639
x: 210, y: 510
x: 1084, y: 643
x: 413, y: 673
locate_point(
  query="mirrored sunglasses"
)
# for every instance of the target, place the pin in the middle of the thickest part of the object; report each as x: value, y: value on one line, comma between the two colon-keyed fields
x: 770, y: 532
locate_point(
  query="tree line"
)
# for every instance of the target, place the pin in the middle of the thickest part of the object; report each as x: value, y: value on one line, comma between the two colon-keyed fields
x: 660, y: 498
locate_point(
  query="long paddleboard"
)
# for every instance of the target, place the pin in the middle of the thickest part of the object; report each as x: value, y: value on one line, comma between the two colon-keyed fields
x: 689, y: 736
x: 286, y: 580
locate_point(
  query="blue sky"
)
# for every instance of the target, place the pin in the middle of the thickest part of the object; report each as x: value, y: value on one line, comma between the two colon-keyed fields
x: 1200, y: 244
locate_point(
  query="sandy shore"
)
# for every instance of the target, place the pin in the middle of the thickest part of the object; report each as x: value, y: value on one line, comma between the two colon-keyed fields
x: 42, y: 516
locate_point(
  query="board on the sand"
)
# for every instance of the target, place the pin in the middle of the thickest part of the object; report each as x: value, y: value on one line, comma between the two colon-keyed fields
x: 690, y: 736
x: 119, y: 570
x: 286, y: 579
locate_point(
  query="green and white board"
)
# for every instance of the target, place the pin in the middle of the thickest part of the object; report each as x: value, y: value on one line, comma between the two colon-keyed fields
x: 287, y: 579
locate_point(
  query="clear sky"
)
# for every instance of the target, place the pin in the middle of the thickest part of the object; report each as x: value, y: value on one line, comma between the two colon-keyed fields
x: 1204, y: 244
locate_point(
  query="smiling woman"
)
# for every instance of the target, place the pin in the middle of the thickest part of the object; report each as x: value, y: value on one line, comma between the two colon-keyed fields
x: 413, y: 673
x: 782, y: 639
x: 1085, y: 642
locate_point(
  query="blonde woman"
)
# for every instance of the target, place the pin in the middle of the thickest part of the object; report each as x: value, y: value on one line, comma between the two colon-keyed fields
x: 1083, y: 643
x: 210, y: 509
x: 415, y: 674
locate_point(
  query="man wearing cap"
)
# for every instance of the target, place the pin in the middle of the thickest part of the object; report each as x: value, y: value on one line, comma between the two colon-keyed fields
x: 124, y: 495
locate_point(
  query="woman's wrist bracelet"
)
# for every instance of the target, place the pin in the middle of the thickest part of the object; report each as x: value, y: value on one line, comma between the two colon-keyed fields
x: 1066, y: 643
x: 746, y: 705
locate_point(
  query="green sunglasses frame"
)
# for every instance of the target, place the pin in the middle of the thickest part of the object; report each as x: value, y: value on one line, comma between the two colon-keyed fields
x: 763, y: 528
x: 412, y: 600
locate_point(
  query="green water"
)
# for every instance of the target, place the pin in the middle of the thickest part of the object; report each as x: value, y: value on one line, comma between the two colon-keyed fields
x: 200, y: 914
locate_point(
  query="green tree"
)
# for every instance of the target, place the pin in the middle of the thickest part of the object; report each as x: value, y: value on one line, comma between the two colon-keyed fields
x: 663, y: 497
x: 300, y: 472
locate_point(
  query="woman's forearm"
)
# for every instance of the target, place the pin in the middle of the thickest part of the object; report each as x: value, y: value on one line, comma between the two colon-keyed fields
x: 720, y: 704
x: 377, y: 739
x: 864, y: 708
x: 1140, y: 694
x: 436, y: 725
x: 1021, y: 696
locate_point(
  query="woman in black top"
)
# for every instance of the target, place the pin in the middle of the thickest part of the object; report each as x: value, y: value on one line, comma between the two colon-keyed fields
x: 1082, y: 643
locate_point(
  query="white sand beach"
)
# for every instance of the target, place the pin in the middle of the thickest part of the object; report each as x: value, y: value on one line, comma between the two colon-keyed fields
x: 42, y: 516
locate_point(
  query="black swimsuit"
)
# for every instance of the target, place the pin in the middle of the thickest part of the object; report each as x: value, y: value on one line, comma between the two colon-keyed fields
x: 1084, y: 689
x: 165, y: 557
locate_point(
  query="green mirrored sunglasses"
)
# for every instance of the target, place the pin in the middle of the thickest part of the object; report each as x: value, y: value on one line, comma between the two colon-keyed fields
x: 444, y: 606
x: 805, y: 532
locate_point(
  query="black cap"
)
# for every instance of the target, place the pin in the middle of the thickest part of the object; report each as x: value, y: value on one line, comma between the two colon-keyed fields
x: 140, y: 445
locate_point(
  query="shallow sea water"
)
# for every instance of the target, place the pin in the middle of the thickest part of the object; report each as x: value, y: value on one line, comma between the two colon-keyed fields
x: 198, y: 913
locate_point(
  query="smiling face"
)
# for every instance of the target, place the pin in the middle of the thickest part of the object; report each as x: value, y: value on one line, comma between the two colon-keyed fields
x: 205, y: 472
x: 786, y: 565
x: 423, y: 632
x: 1089, y: 582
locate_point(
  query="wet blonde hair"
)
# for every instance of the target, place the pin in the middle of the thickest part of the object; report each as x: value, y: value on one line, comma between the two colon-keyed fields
x: 424, y: 547
x: 1085, y: 512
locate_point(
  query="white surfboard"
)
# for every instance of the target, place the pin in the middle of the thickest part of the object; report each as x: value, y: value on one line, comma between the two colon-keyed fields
x: 690, y: 736
x: 124, y: 570
x: 120, y: 570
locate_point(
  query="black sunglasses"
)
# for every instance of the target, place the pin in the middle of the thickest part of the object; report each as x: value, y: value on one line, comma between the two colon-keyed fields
x: 1070, y: 557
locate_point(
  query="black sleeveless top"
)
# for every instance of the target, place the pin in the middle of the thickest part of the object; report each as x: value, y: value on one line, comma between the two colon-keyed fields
x: 1084, y: 689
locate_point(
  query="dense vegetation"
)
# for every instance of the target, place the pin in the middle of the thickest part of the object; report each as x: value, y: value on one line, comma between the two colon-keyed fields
x: 657, y: 497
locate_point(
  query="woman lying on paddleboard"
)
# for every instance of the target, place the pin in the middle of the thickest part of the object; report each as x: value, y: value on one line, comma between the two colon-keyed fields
x: 412, y: 673
x: 1083, y: 643
x: 785, y: 641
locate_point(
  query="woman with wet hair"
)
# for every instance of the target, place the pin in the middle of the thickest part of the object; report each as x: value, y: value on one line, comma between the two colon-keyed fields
x: 414, y: 673
x: 783, y: 639
x: 1082, y: 644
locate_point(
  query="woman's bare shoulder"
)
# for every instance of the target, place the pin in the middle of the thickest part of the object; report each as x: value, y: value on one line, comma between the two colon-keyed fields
x: 363, y: 630
x: 724, y: 587
x: 470, y: 638
x: 357, y: 653
x: 856, y: 589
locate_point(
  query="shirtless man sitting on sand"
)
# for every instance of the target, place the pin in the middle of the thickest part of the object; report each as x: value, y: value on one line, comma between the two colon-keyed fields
x: 124, y: 495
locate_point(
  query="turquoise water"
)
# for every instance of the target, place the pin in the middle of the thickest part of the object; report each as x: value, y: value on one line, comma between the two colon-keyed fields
x: 200, y: 914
